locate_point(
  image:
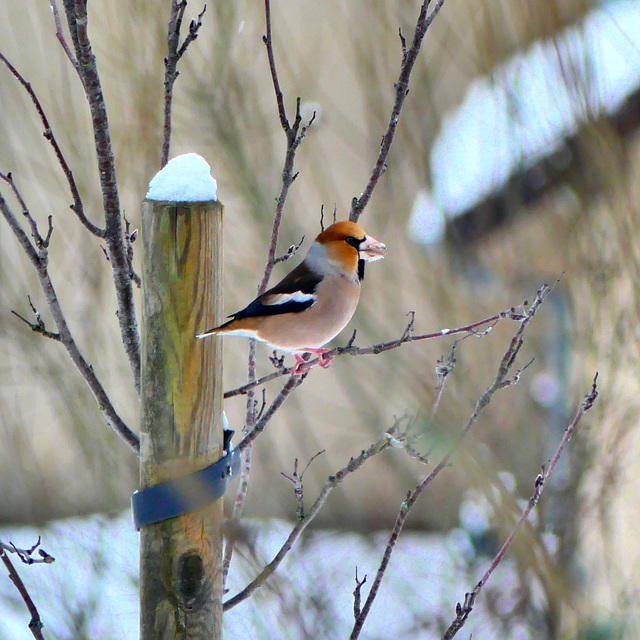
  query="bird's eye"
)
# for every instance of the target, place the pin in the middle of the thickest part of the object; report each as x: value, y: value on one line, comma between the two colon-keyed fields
x: 354, y: 242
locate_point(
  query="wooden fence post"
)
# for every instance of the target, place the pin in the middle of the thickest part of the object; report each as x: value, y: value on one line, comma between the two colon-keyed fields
x: 181, y: 426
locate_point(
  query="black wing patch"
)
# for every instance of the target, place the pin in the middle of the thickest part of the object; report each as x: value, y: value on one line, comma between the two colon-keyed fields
x: 293, y: 294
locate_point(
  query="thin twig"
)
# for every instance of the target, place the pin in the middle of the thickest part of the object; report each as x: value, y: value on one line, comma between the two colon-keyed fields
x: 350, y: 349
x: 129, y: 239
x: 409, y: 57
x: 66, y: 338
x: 26, y: 555
x: 175, y: 52
x: 291, y: 251
x: 61, y: 38
x: 381, y: 444
x: 291, y: 385
x: 38, y: 326
x: 463, y: 610
x: 41, y: 243
x: 253, y: 426
x: 298, y: 489
x: 35, y: 624
x: 77, y: 207
x: 357, y: 595
x: 284, y: 122
x: 503, y: 370
x: 76, y: 11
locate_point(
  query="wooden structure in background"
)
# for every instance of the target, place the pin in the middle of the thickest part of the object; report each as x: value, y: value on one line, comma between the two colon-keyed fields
x: 181, y: 429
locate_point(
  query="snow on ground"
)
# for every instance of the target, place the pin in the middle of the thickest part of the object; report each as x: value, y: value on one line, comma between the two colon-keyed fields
x: 91, y: 589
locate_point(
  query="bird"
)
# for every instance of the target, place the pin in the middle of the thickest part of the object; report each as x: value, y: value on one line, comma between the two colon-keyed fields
x: 314, y: 302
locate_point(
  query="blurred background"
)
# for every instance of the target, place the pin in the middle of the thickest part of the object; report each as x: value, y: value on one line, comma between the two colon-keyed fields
x: 516, y: 161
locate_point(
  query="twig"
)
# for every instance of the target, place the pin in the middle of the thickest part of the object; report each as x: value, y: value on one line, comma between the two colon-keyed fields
x: 77, y: 207
x: 38, y: 326
x: 76, y: 11
x: 171, y: 73
x: 39, y: 262
x: 463, y: 610
x: 409, y: 57
x: 503, y: 370
x: 291, y: 251
x: 332, y: 482
x: 296, y: 479
x: 61, y: 38
x: 293, y: 383
x: 42, y: 244
x: 294, y: 135
x: 35, y: 624
x: 350, y: 349
x: 357, y: 595
x: 129, y: 238
x: 26, y: 555
x: 284, y: 122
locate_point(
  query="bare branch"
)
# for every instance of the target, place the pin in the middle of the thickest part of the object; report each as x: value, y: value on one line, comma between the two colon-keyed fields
x: 61, y: 38
x: 296, y: 479
x: 253, y: 426
x: 407, y: 336
x: 35, y: 624
x: 26, y: 555
x: 503, y: 371
x: 77, y: 207
x: 284, y: 122
x: 38, y: 326
x: 463, y: 610
x: 357, y: 596
x: 76, y: 11
x: 65, y: 337
x: 291, y: 251
x: 175, y: 52
x: 332, y: 482
x: 35, y: 234
x: 293, y: 383
x: 130, y: 238
x: 409, y: 57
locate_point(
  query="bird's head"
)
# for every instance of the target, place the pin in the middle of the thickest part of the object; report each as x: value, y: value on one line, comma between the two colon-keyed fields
x: 347, y: 245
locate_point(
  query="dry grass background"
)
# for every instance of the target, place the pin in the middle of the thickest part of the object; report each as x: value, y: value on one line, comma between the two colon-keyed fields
x: 342, y: 57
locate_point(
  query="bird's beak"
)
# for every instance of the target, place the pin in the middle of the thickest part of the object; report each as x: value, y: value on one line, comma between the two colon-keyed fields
x: 371, y: 250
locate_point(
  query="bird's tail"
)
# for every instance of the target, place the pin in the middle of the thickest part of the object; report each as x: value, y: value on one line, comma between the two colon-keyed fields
x: 236, y: 326
x: 215, y: 331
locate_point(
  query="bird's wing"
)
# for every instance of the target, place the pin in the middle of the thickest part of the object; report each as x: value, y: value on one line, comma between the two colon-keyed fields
x: 293, y: 294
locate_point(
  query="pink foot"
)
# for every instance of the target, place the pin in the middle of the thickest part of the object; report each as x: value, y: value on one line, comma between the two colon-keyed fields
x: 302, y: 366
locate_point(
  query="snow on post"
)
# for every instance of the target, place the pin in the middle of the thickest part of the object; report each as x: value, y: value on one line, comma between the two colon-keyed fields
x: 185, y: 178
x: 181, y: 394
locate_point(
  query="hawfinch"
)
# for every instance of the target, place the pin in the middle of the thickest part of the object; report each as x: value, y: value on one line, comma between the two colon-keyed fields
x: 314, y: 302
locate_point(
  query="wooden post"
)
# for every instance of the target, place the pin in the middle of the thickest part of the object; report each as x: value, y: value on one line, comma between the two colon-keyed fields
x: 181, y: 427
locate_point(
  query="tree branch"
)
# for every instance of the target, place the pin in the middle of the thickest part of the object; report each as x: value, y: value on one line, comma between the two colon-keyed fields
x: 77, y: 207
x: 332, y: 482
x: 463, y: 610
x: 498, y: 383
x: 171, y: 73
x: 78, y: 21
x: 39, y: 260
x: 407, y: 336
x: 61, y: 38
x: 409, y: 57
x: 294, y: 135
x: 35, y: 624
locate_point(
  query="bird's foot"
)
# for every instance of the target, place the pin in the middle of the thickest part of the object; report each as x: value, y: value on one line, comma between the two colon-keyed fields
x: 302, y: 366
